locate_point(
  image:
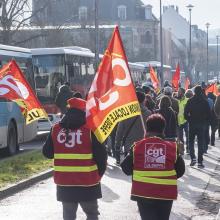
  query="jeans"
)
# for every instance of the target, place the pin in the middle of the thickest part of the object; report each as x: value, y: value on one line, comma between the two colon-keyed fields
x: 184, y: 127
x: 90, y: 208
x: 197, y: 129
x: 154, y: 209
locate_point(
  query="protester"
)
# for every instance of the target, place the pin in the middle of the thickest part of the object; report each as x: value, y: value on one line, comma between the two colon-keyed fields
x: 62, y: 96
x: 130, y: 130
x: 174, y: 102
x: 79, y: 162
x: 189, y: 93
x: 217, y: 111
x: 149, y: 103
x: 197, y: 113
x: 155, y: 166
x: 170, y: 117
x: 213, y: 119
x: 183, y: 124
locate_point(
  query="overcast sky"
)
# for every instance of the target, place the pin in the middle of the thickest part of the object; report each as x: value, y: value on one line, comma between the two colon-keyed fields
x: 203, y: 12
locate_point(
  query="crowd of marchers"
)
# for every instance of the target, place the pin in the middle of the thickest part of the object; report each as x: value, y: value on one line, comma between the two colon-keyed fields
x: 148, y: 147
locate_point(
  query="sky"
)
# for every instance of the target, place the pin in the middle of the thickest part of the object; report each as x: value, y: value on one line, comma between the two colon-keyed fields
x: 204, y: 11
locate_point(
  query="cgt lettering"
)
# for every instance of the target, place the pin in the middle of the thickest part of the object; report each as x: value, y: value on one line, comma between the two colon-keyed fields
x: 155, y: 152
x: 72, y: 139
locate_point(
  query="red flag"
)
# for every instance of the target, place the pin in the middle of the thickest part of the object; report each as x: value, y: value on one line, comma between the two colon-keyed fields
x: 154, y: 79
x: 187, y: 83
x: 213, y: 89
x: 176, y: 78
x: 112, y: 97
x: 14, y: 87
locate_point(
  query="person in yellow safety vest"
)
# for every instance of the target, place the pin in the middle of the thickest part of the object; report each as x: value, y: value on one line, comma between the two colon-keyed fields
x: 79, y: 162
x: 155, y: 165
x: 183, y: 125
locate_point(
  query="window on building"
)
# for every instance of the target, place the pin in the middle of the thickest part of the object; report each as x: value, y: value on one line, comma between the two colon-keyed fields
x: 122, y: 12
x: 146, y: 38
x: 83, y: 13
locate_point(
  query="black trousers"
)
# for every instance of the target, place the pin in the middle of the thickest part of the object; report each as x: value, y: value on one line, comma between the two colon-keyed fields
x: 197, y: 129
x: 154, y: 209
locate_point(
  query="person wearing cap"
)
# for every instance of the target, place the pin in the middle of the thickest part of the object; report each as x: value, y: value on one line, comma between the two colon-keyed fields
x: 155, y: 165
x: 174, y: 102
x: 79, y: 162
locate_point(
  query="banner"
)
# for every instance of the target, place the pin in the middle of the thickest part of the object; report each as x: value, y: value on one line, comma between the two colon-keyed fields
x: 154, y: 79
x: 14, y: 87
x: 112, y: 97
x: 176, y: 78
x: 187, y: 83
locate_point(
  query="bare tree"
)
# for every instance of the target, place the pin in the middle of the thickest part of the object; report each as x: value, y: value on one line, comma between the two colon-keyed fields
x: 16, y: 14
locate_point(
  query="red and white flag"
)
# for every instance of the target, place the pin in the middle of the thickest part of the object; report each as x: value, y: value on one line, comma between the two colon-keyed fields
x: 14, y: 87
x: 112, y: 97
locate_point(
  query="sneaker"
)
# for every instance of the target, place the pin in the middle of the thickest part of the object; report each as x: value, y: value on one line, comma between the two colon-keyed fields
x: 193, y: 162
x: 201, y: 165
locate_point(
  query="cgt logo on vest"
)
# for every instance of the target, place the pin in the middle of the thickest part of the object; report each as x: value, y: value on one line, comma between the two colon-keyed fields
x: 155, y: 156
x: 73, y: 138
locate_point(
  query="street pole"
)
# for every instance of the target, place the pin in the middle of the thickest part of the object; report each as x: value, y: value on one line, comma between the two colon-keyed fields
x: 96, y: 34
x: 190, y: 7
x: 207, y: 55
x: 217, y: 70
x: 161, y: 46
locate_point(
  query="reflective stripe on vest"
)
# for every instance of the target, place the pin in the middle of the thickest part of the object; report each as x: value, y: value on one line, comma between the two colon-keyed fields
x: 75, y: 169
x: 145, y: 179
x: 154, y: 173
x: 73, y: 156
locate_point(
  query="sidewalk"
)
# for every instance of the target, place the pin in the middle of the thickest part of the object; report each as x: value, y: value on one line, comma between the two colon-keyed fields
x: 199, y: 196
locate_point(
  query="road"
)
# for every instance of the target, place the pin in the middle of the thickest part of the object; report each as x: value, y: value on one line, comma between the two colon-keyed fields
x: 199, y: 196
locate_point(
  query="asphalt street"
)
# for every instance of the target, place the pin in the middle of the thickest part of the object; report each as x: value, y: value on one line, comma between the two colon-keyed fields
x: 199, y: 196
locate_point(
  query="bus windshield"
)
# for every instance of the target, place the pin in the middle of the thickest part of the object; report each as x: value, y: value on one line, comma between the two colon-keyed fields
x: 49, y: 75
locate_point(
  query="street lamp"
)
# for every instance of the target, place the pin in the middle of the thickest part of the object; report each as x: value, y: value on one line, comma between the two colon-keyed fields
x: 207, y: 45
x: 190, y: 7
x: 161, y: 45
x: 96, y: 34
x: 217, y: 71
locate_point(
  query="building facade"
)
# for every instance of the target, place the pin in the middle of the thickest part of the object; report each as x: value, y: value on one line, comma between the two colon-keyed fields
x: 138, y: 25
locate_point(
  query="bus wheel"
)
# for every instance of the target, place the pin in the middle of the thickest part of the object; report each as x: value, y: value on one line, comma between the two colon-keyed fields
x: 12, y: 143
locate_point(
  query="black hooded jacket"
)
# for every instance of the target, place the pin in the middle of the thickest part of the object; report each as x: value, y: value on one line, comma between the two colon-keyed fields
x: 197, y: 110
x: 74, y: 119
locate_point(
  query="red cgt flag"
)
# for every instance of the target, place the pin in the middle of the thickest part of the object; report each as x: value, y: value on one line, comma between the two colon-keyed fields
x: 176, y: 78
x: 112, y: 97
x: 14, y: 87
x: 187, y: 83
x: 154, y: 79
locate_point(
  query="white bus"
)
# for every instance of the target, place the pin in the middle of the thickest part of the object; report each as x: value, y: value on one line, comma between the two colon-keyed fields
x: 167, y: 74
x: 75, y: 65
x: 13, y: 129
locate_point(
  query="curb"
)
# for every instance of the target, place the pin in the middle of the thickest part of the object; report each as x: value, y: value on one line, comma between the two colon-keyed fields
x: 17, y: 187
